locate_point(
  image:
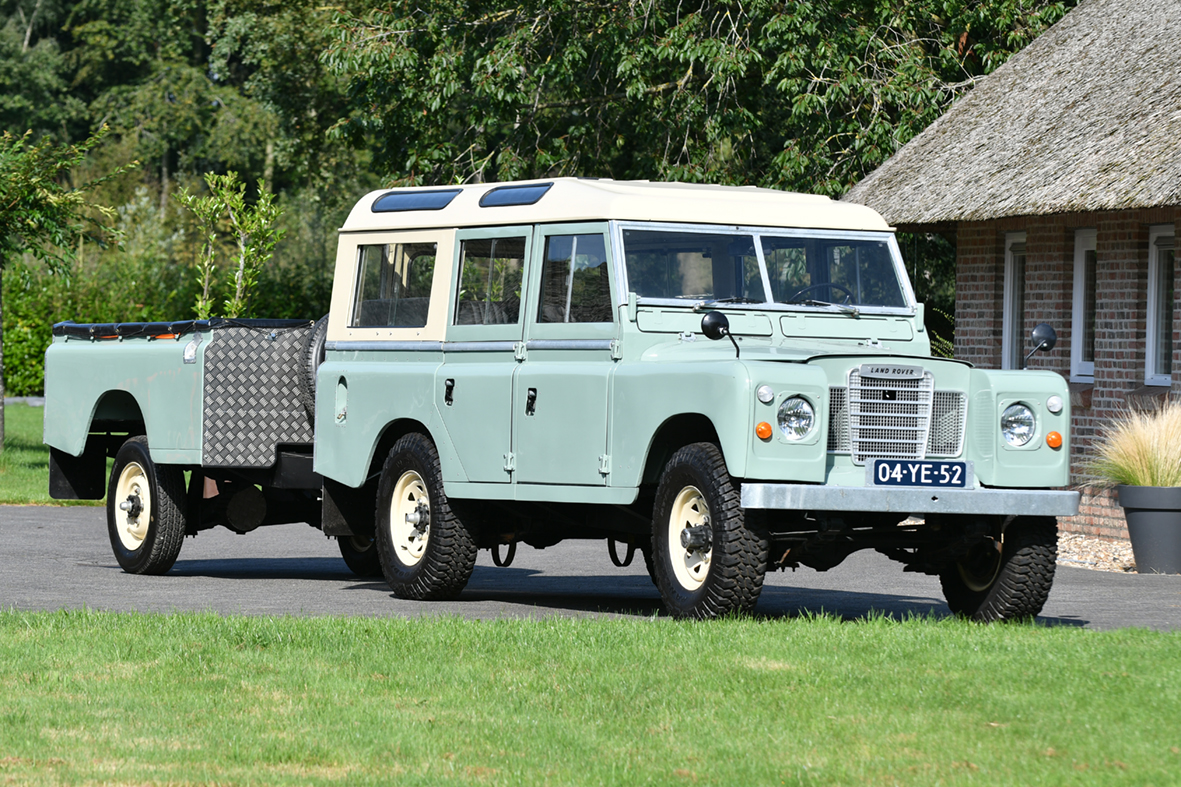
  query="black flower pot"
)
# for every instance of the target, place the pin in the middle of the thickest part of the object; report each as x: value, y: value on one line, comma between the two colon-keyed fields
x: 1154, y: 525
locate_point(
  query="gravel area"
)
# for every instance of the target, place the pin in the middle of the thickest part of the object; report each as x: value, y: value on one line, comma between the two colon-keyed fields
x: 1097, y: 554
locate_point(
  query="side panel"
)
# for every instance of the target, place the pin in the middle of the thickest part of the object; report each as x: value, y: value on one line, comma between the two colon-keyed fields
x: 1035, y: 464
x: 168, y: 391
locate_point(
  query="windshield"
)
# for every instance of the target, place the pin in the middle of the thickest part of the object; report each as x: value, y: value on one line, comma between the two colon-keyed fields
x: 705, y: 267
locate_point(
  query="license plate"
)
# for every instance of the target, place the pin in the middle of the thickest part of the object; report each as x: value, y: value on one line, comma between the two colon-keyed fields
x: 904, y: 472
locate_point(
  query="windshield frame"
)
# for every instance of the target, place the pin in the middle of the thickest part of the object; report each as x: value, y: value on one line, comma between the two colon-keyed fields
x: 617, y: 227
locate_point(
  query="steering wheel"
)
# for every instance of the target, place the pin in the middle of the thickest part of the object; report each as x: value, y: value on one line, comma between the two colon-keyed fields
x: 829, y: 285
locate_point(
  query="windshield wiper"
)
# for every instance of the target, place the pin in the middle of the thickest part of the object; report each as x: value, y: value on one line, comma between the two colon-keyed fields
x: 844, y: 307
x: 733, y: 299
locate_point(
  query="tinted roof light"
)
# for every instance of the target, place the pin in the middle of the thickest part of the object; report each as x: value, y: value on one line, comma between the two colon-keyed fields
x: 504, y: 196
x: 396, y: 201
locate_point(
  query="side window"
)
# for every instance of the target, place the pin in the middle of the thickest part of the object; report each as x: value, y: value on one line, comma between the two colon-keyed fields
x: 574, y: 282
x: 490, y: 281
x: 394, y: 285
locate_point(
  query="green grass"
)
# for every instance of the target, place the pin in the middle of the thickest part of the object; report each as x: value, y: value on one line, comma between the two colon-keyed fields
x: 24, y: 462
x: 90, y: 698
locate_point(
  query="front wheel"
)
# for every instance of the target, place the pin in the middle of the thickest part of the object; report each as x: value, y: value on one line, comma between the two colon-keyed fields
x: 708, y: 560
x: 426, y: 551
x: 1005, y: 579
x: 145, y: 510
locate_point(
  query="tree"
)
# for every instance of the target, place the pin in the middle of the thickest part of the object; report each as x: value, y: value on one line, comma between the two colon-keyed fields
x: 809, y: 95
x: 40, y: 213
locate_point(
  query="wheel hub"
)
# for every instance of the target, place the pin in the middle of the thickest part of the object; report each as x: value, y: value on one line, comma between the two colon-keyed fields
x: 410, y: 518
x: 690, y: 538
x: 132, y: 490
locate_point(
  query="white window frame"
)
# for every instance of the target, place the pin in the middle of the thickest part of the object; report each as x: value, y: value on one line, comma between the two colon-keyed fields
x: 1012, y: 324
x: 1156, y: 233
x: 1081, y: 371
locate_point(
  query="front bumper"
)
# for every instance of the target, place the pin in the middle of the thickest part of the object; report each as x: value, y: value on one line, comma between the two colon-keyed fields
x: 811, y: 497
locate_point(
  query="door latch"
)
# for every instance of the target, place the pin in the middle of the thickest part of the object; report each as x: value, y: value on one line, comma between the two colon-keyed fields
x: 449, y: 392
x: 531, y: 401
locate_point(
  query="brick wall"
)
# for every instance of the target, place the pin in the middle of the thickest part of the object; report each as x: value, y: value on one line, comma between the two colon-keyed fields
x: 1121, y: 310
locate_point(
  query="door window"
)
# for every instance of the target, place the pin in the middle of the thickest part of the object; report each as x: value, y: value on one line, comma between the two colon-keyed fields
x: 574, y: 280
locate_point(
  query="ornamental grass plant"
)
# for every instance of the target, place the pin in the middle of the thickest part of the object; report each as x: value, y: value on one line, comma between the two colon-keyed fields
x: 1140, y: 449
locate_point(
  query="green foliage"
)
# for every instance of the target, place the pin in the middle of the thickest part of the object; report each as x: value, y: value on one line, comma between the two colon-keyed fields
x: 552, y: 701
x: 808, y: 96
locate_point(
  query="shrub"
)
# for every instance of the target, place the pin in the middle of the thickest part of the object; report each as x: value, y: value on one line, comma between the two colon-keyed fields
x: 1140, y: 449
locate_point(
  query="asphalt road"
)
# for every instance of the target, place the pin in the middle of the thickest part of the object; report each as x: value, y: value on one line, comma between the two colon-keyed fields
x: 60, y: 558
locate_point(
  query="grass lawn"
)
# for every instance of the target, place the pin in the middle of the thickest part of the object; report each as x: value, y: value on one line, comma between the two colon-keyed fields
x: 24, y: 462
x: 101, y: 698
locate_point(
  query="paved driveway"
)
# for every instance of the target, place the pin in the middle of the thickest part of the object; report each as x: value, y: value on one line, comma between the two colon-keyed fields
x: 60, y: 558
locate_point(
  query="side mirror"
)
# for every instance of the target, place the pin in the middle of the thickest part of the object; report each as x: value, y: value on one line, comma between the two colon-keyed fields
x: 1044, y: 338
x: 715, y: 325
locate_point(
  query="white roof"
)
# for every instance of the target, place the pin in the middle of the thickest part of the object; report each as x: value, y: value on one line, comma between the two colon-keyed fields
x: 577, y: 199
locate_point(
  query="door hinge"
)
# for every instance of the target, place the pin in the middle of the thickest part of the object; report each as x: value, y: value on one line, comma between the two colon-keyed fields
x: 605, y: 464
x: 519, y: 351
x: 510, y: 462
x: 616, y: 350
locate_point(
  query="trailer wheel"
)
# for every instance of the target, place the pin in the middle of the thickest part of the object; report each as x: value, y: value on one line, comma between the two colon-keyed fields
x: 708, y: 561
x: 360, y: 555
x: 426, y: 551
x: 1008, y: 579
x: 310, y: 360
x: 145, y: 510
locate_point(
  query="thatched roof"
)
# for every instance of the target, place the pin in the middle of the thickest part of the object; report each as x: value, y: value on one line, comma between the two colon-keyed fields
x: 1087, y: 117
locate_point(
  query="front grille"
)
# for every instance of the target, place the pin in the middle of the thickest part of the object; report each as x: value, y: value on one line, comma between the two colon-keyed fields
x: 947, y: 424
x: 869, y: 423
x: 889, y: 417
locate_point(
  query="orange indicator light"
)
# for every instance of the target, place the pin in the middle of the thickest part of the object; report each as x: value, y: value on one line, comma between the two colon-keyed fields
x: 1054, y: 440
x: 763, y: 430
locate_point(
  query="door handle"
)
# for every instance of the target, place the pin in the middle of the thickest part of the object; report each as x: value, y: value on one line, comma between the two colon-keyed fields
x: 531, y: 401
x: 449, y: 392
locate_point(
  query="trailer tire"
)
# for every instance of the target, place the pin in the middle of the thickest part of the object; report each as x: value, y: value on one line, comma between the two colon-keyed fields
x: 426, y: 550
x: 727, y: 576
x: 360, y: 555
x: 310, y: 359
x: 146, y: 536
x: 1011, y: 583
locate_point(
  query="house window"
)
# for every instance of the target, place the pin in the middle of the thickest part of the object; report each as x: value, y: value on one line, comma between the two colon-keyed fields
x: 1013, y: 316
x: 1161, y: 259
x: 1082, y: 333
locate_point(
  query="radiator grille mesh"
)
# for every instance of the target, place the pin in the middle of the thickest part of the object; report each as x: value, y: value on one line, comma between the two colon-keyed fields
x: 947, y: 424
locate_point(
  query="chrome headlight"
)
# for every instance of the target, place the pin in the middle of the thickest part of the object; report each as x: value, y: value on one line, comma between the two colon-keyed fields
x: 1018, y: 424
x: 796, y: 418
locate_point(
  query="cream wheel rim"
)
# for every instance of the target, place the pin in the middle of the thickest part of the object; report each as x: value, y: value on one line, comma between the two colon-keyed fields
x: 690, y: 566
x: 409, y: 507
x: 978, y: 583
x: 133, y: 489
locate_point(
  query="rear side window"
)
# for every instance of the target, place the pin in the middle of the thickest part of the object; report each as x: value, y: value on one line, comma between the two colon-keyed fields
x: 394, y: 285
x: 490, y: 281
x: 574, y: 283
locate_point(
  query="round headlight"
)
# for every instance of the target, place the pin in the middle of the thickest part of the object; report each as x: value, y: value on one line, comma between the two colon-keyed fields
x: 796, y: 418
x: 1018, y: 424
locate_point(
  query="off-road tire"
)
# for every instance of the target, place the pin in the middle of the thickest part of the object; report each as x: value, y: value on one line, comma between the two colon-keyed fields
x: 448, y: 557
x: 738, y: 553
x: 310, y: 359
x: 360, y: 555
x: 1010, y: 584
x: 150, y: 546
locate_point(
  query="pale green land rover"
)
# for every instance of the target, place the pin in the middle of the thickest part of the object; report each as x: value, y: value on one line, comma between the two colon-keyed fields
x: 724, y: 380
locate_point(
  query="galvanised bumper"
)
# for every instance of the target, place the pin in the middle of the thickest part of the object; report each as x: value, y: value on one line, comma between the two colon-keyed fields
x: 814, y: 497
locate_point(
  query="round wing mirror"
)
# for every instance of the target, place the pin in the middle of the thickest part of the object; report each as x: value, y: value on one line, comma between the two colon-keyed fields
x: 716, y: 325
x: 1044, y: 337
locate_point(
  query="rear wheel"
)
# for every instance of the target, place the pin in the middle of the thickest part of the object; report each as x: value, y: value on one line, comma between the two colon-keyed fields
x: 708, y: 562
x: 360, y: 555
x: 145, y: 510
x: 426, y: 551
x: 1005, y: 579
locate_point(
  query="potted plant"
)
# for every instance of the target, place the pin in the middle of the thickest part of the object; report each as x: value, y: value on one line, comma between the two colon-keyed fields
x: 1140, y: 455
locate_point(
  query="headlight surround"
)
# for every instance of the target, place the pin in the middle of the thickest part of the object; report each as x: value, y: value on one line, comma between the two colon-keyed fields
x: 1018, y: 424
x: 796, y: 418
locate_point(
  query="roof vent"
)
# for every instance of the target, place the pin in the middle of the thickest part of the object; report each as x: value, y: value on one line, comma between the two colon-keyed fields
x: 398, y: 201
x: 504, y: 196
